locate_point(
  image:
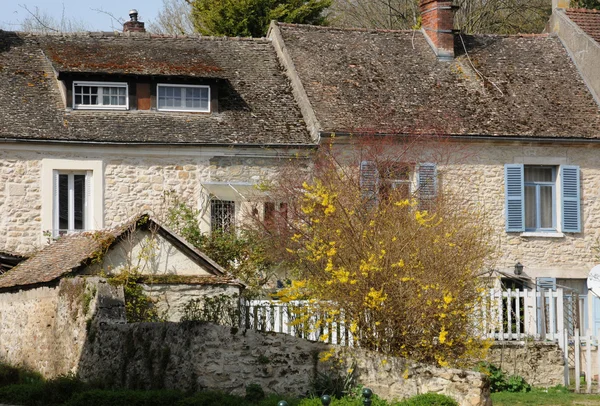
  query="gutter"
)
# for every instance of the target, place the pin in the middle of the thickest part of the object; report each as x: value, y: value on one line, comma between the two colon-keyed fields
x: 475, y: 138
x: 159, y: 144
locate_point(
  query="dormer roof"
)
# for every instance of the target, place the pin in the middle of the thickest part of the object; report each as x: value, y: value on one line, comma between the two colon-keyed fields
x: 256, y: 104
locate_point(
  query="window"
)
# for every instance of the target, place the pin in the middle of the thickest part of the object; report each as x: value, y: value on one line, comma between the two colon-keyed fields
x: 100, y: 95
x: 222, y: 215
x: 183, y: 98
x: 71, y: 196
x: 378, y: 181
x: 542, y: 198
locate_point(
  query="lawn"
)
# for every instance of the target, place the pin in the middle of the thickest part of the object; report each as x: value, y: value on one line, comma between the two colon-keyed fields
x: 554, y: 397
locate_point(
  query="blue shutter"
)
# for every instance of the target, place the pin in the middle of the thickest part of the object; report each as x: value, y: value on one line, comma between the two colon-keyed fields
x: 515, y: 202
x: 545, y: 283
x: 369, y: 183
x: 570, y: 199
x: 427, y: 181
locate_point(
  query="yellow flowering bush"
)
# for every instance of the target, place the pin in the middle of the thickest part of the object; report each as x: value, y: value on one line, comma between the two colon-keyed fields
x: 402, y: 276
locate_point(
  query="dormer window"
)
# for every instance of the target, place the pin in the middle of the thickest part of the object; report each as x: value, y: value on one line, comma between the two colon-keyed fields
x: 100, y: 95
x: 183, y: 98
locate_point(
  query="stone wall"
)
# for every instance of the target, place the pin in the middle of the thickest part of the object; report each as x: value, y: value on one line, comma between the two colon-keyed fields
x: 79, y: 326
x: 475, y: 170
x: 45, y: 328
x: 541, y: 364
x: 134, y: 179
x: 171, y: 298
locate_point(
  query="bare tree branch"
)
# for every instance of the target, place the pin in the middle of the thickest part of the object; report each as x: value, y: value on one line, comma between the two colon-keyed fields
x: 37, y: 19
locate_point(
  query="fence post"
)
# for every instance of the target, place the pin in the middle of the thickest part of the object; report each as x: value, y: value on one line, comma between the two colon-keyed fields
x: 577, y: 361
x: 560, y: 312
x: 566, y: 356
x: 588, y: 361
x: 367, y: 393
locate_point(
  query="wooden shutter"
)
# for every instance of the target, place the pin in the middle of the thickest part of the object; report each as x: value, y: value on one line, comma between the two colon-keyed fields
x: 570, y: 199
x: 369, y: 182
x: 545, y: 283
x: 427, y: 181
x: 515, y: 201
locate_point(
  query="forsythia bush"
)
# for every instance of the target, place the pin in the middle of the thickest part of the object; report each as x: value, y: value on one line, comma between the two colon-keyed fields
x: 399, y: 272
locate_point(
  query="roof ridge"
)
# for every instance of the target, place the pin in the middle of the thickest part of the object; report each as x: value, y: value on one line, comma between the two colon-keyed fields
x: 148, y: 35
x: 329, y: 28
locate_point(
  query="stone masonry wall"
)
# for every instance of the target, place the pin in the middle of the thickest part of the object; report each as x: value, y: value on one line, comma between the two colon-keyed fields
x: 132, y: 183
x: 541, y: 364
x: 45, y: 328
x: 170, y: 299
x: 80, y: 327
x: 475, y: 171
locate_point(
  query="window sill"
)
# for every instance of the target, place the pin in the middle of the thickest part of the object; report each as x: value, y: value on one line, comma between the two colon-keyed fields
x: 543, y: 234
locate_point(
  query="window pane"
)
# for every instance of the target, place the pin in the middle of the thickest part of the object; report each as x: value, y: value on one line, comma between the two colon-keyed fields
x: 222, y: 215
x: 94, y: 99
x: 94, y: 90
x: 78, y: 89
x: 546, y: 208
x: 161, y: 102
x: 538, y: 174
x: 530, y: 207
x: 122, y: 100
x: 162, y: 91
x: 63, y: 202
x: 85, y: 89
x: 106, y: 100
x: 77, y: 99
x: 79, y: 202
x: 86, y: 99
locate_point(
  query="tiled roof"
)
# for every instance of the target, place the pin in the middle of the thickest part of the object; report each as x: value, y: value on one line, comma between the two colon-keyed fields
x: 256, y: 105
x: 391, y: 81
x: 587, y: 20
x: 70, y: 252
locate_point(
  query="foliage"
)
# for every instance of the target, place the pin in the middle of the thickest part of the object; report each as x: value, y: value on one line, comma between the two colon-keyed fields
x: 126, y: 398
x: 175, y: 18
x: 473, y: 16
x: 589, y: 4
x: 254, y: 393
x: 221, y: 309
x: 499, y: 382
x: 429, y: 399
x: 241, y: 254
x: 555, y: 396
x: 400, y: 271
x: 139, y: 307
x: 11, y: 375
x: 251, y: 18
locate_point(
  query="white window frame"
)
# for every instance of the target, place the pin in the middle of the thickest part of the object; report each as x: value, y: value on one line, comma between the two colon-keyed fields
x: 71, y: 202
x: 199, y: 110
x: 95, y: 204
x: 538, y: 185
x: 101, y: 85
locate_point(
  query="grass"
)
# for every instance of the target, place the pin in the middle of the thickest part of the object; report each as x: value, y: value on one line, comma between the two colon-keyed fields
x: 551, y: 397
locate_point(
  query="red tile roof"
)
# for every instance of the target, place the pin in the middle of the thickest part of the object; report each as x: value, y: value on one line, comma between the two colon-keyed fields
x: 587, y: 20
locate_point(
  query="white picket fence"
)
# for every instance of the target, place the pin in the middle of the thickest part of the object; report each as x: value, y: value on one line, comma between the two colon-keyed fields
x: 548, y: 315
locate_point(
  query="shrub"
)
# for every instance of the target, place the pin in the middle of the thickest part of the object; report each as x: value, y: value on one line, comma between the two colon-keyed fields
x: 23, y: 394
x: 429, y: 399
x: 499, y: 382
x: 10, y: 375
x: 254, y: 393
x: 125, y: 398
x: 212, y: 399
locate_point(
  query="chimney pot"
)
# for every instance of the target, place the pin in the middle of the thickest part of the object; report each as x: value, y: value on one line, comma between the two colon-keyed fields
x: 133, y: 25
x: 437, y: 21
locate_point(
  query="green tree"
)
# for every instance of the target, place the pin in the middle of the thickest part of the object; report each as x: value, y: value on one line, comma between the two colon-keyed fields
x: 251, y: 18
x: 589, y: 4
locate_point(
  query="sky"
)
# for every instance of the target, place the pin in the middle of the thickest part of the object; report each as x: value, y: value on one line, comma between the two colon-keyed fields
x: 11, y: 12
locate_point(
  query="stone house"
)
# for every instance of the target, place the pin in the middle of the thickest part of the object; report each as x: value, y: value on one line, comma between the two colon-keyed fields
x: 516, y: 114
x: 96, y: 127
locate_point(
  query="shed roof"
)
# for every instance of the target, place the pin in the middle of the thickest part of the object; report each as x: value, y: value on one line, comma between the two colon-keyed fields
x: 587, y: 20
x: 256, y: 105
x: 71, y: 252
x: 390, y: 81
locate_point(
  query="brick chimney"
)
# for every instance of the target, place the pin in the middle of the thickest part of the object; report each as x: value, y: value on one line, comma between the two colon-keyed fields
x: 133, y: 25
x: 437, y: 22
